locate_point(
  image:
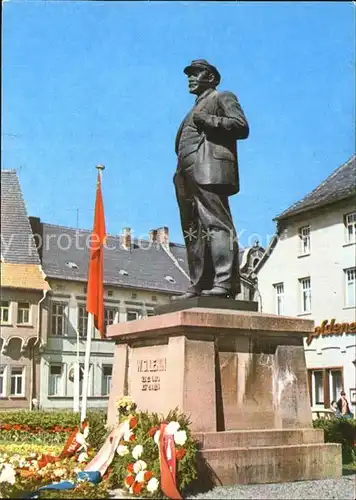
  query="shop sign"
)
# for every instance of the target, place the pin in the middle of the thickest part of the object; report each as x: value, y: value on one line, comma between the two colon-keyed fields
x: 332, y: 328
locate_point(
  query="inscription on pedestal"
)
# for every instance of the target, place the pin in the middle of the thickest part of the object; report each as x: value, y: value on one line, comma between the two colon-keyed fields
x: 149, y: 377
x: 151, y: 382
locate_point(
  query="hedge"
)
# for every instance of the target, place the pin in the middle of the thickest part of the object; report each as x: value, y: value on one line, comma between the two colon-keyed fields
x: 11, y: 448
x: 340, y: 430
x: 43, y: 427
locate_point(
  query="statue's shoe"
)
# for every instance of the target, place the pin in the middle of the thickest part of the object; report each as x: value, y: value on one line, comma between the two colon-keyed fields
x: 217, y: 291
x: 186, y: 295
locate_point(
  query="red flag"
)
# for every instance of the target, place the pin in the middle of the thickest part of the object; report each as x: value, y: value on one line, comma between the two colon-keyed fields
x: 95, y: 289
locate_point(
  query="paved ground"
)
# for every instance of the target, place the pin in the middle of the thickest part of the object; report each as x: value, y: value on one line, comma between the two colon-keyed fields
x: 336, y: 489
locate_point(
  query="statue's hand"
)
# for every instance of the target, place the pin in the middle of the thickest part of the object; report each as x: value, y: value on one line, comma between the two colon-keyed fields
x: 201, y: 118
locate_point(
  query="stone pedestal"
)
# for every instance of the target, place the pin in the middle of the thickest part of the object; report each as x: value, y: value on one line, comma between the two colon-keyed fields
x: 231, y: 371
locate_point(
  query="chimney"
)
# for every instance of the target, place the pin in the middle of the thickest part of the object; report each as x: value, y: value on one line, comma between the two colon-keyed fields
x: 126, y: 238
x: 152, y: 235
x: 163, y: 235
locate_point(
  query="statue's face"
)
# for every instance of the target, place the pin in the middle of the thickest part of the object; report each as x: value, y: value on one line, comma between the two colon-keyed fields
x: 199, y: 80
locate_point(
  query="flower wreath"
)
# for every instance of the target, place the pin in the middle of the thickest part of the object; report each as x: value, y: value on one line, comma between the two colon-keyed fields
x: 156, y: 456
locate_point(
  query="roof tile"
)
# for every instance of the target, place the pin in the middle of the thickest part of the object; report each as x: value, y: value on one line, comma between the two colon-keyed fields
x: 17, y: 241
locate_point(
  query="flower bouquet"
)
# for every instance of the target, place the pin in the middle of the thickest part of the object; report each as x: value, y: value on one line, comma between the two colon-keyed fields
x: 148, y: 441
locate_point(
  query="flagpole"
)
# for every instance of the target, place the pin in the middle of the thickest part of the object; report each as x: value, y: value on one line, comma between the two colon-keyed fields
x: 86, y: 368
x: 76, y: 402
x: 90, y: 325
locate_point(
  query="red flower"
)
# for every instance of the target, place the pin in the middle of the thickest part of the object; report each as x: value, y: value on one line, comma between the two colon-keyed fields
x: 16, y: 427
x: 152, y: 431
x: 133, y: 422
x: 130, y: 468
x: 147, y: 475
x: 130, y: 480
x: 137, y: 487
x: 180, y: 453
x: 132, y: 437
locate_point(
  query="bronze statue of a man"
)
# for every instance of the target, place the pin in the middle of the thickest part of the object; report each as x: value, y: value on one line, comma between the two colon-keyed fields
x: 207, y: 174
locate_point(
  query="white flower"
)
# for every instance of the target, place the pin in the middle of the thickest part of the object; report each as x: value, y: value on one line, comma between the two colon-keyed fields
x: 152, y: 485
x: 122, y: 450
x: 127, y: 435
x: 180, y: 437
x: 137, y: 451
x: 59, y: 472
x: 7, y: 474
x: 140, y: 476
x: 139, y: 465
x: 83, y: 457
x: 172, y: 427
x: 156, y: 437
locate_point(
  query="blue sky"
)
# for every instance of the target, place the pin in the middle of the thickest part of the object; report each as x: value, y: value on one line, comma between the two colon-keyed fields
x: 103, y: 82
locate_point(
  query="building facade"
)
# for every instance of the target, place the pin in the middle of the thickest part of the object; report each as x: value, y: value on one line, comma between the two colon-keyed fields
x: 309, y: 271
x: 23, y: 291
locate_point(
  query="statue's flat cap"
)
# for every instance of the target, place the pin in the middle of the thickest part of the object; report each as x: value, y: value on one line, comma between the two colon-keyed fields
x: 202, y: 64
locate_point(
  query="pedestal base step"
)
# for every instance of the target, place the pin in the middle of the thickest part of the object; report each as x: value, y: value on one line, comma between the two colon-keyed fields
x: 258, y: 437
x: 268, y: 464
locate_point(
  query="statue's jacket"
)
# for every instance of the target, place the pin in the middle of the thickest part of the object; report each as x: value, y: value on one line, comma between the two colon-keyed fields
x: 211, y: 147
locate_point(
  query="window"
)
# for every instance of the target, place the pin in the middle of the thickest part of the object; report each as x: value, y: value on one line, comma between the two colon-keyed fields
x: 150, y: 313
x: 5, y: 311
x: 109, y: 316
x: 2, y: 381
x: 255, y: 262
x: 110, y: 293
x: 132, y: 315
x: 55, y: 380
x: 350, y: 287
x: 17, y: 381
x: 304, y: 240
x: 318, y: 388
x: 325, y: 385
x: 82, y: 321
x: 106, y: 382
x: 279, y: 293
x: 335, y: 384
x: 23, y: 313
x: 350, y: 227
x: 58, y: 319
x: 305, y: 287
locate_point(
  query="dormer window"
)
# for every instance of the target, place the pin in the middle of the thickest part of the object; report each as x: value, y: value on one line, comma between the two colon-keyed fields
x: 170, y: 279
x: 350, y: 227
x: 255, y: 262
x: 304, y: 240
x: 123, y: 272
x: 72, y: 265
